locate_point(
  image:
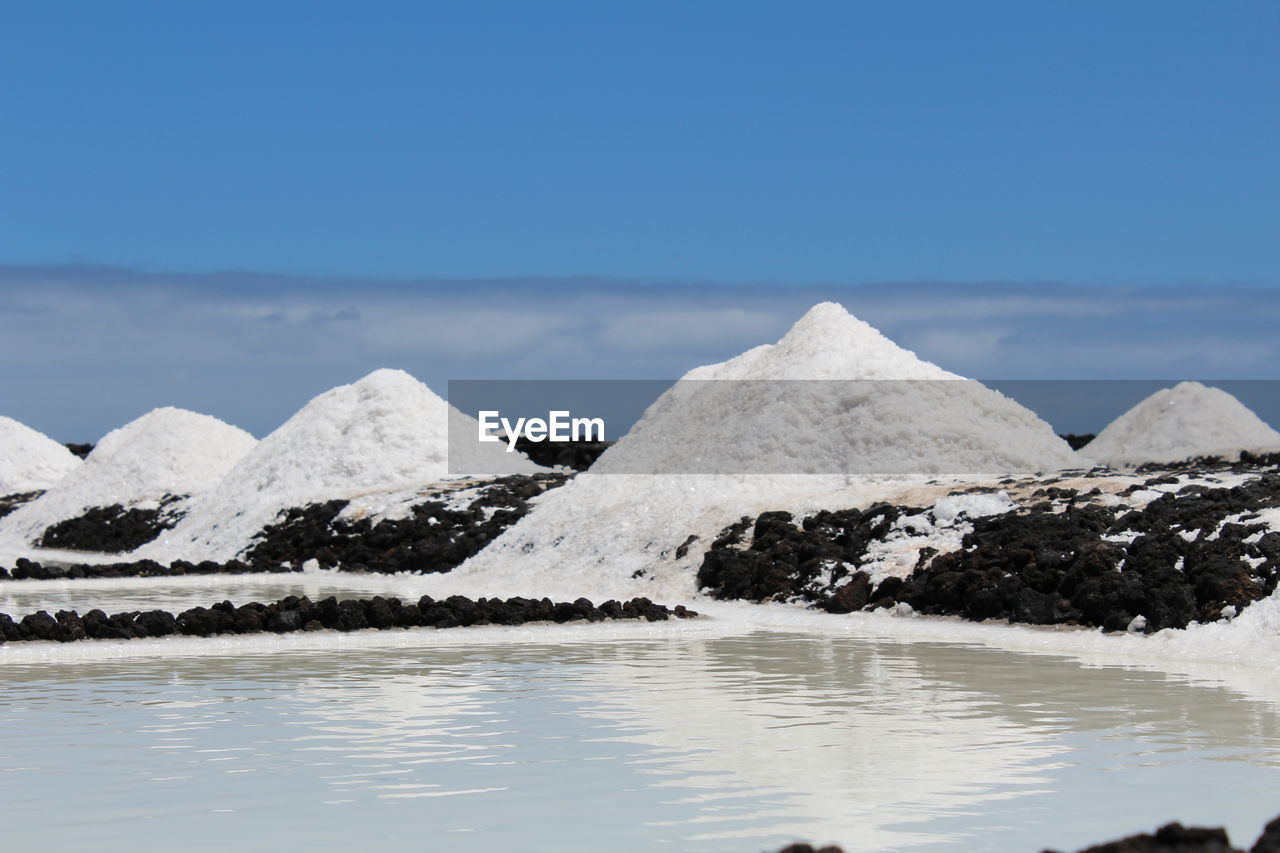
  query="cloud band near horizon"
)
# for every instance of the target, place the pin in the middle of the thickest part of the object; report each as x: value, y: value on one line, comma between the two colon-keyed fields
x: 88, y: 349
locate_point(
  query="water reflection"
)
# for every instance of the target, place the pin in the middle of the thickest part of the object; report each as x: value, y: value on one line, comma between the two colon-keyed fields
x: 695, y: 743
x: 18, y: 598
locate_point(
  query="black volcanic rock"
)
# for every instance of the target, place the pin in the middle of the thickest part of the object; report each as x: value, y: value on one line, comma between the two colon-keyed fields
x: 434, y: 538
x: 1196, y: 554
x: 298, y: 613
x: 111, y: 529
x: 1077, y: 440
x: 81, y: 450
x: 577, y: 455
x: 786, y: 562
x: 1269, y: 841
x: 1170, y: 838
x: 8, y: 503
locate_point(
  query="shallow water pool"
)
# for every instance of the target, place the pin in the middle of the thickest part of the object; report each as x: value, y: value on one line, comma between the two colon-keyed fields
x: 684, y: 741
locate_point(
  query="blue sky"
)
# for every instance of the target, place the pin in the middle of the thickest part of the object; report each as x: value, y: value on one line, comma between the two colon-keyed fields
x: 797, y: 142
x: 234, y: 206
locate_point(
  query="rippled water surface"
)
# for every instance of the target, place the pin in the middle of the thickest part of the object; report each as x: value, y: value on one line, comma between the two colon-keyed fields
x: 690, y: 742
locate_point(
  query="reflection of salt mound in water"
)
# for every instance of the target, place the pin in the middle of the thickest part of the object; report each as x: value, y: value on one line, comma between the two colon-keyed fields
x: 858, y: 782
x: 1180, y: 423
x: 613, y: 532
x: 29, y: 460
x: 165, y: 452
x: 388, y: 431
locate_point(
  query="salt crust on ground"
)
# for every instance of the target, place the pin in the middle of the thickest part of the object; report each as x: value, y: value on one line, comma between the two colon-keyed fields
x: 167, y: 451
x: 30, y: 460
x: 623, y: 530
x: 387, y: 432
x: 1237, y: 654
x: 1179, y: 423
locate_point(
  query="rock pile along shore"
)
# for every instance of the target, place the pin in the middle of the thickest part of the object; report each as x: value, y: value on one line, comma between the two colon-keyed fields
x: 1170, y: 838
x: 299, y: 613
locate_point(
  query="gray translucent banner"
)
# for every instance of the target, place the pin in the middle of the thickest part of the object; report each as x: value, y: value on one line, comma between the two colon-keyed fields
x: 845, y: 427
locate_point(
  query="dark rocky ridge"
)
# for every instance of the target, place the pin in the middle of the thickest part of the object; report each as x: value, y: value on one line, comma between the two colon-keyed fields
x: 81, y: 450
x: 8, y: 503
x: 578, y: 455
x: 433, y: 539
x: 1077, y: 440
x: 1058, y: 561
x: 112, y: 529
x: 1170, y: 838
x: 1199, y: 464
x: 295, y: 613
x: 25, y: 569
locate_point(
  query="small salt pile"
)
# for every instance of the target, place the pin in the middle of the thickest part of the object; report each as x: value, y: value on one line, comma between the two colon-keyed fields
x: 386, y: 432
x: 613, y: 532
x: 1180, y: 423
x: 29, y: 460
x: 165, y: 452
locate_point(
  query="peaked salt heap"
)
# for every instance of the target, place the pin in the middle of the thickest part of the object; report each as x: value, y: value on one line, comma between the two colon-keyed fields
x: 387, y: 431
x: 165, y: 452
x: 29, y: 460
x: 1179, y: 423
x: 834, y: 396
x: 614, y: 532
x: 826, y: 343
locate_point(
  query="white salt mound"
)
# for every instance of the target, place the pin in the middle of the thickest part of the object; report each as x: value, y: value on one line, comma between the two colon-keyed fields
x: 617, y: 532
x: 385, y: 432
x: 1179, y: 423
x: 29, y: 460
x: 874, y: 408
x: 167, y: 451
x: 826, y: 343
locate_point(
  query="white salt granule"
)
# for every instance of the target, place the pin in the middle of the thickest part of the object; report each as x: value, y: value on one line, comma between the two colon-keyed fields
x: 386, y: 432
x: 167, y: 451
x: 1179, y: 423
x: 30, y: 460
x: 616, y: 532
x: 875, y: 409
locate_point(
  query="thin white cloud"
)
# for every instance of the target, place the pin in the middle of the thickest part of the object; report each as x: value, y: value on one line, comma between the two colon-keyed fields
x: 693, y: 330
x: 90, y: 350
x: 964, y: 349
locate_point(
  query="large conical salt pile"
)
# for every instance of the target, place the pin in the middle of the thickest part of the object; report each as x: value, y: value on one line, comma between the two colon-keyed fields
x: 384, y: 432
x: 834, y: 396
x: 165, y: 452
x: 612, y: 530
x: 1179, y: 423
x: 29, y: 460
